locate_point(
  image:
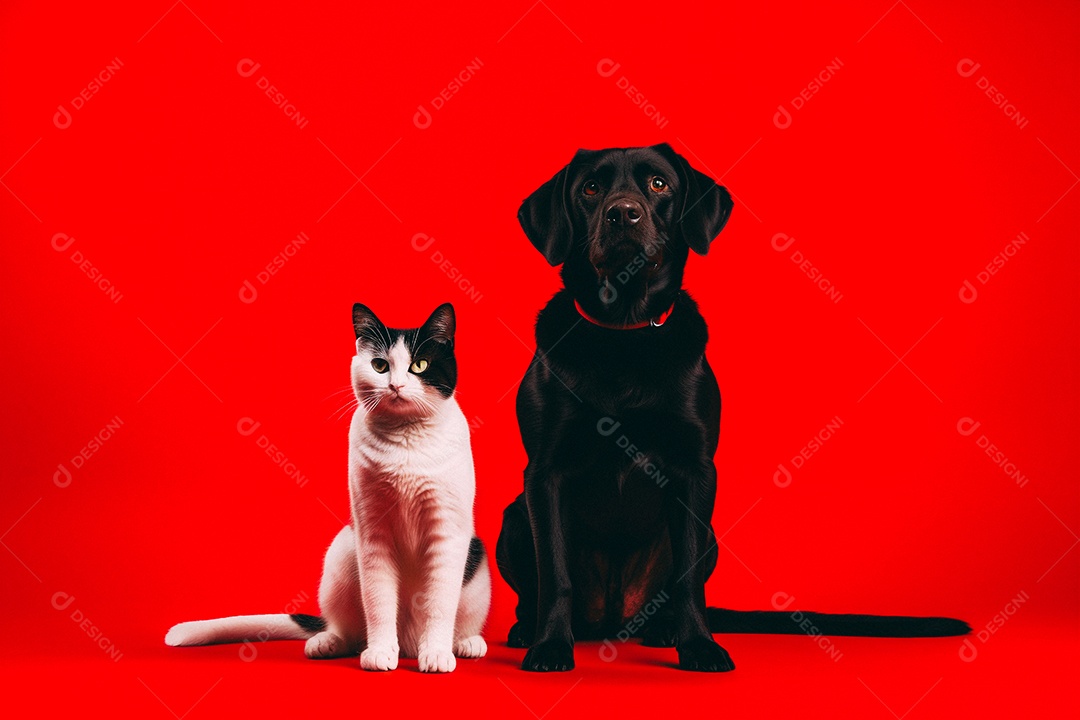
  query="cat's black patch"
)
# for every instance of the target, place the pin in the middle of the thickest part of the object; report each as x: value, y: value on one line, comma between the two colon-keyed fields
x: 433, y: 341
x: 472, y: 563
x: 311, y: 623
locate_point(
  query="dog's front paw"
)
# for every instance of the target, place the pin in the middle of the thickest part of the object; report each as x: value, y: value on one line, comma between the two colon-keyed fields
x: 660, y: 632
x: 379, y: 658
x: 702, y: 654
x: 519, y: 636
x: 436, y: 660
x: 549, y: 656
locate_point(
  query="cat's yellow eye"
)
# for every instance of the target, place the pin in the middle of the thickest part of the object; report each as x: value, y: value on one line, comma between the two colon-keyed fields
x: 418, y: 366
x: 380, y: 365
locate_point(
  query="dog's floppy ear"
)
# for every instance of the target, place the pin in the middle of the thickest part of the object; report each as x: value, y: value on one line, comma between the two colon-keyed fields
x: 705, y: 205
x: 545, y: 217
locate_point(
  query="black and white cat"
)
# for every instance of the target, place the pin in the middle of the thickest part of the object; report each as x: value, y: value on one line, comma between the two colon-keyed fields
x: 407, y: 577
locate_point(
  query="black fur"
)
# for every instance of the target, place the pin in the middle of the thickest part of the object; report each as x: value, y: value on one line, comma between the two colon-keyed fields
x: 472, y: 562
x: 776, y: 622
x: 311, y: 623
x: 620, y: 426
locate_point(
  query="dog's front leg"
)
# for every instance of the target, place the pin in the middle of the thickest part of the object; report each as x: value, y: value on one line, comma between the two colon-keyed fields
x: 689, y: 510
x: 553, y: 649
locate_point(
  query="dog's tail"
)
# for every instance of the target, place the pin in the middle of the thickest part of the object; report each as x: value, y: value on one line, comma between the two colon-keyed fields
x: 244, y: 628
x: 798, y: 622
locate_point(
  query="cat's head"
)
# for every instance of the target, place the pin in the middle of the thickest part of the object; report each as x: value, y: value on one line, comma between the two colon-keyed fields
x: 403, y: 374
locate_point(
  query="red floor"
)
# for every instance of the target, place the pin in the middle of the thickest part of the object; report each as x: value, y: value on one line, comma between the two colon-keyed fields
x: 1027, y: 669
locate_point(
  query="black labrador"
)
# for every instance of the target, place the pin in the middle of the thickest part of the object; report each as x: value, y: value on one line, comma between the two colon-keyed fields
x: 620, y: 414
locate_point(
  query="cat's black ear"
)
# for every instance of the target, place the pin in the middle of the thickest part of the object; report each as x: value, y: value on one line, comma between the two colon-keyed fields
x: 545, y: 215
x: 366, y: 324
x: 705, y: 204
x: 441, y: 325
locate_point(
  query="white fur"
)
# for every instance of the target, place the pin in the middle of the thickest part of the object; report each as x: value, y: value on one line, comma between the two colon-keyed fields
x: 392, y: 579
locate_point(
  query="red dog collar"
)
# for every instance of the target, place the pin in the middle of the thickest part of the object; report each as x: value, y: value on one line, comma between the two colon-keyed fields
x: 654, y: 322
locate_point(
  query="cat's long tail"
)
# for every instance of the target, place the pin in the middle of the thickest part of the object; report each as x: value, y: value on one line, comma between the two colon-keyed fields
x: 245, y: 628
x: 798, y: 622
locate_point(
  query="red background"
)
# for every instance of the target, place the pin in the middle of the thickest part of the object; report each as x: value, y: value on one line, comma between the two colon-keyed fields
x: 180, y: 179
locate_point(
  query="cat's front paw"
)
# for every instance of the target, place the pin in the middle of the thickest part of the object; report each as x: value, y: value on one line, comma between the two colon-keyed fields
x: 436, y: 660
x: 379, y: 658
x: 326, y: 645
x: 470, y: 647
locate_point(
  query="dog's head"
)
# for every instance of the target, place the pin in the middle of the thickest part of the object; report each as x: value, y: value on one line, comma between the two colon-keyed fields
x: 621, y: 222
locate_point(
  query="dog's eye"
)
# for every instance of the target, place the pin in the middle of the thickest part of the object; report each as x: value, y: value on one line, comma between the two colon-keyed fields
x: 657, y: 184
x: 380, y: 365
x: 418, y: 366
x: 590, y: 188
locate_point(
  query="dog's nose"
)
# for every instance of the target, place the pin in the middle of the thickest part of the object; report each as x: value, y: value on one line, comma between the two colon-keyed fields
x: 624, y: 212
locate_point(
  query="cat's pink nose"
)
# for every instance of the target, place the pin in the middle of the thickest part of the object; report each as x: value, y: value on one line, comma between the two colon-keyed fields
x: 396, y: 389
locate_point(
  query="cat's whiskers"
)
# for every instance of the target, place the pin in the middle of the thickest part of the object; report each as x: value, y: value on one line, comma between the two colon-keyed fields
x: 346, y: 389
x: 344, y: 409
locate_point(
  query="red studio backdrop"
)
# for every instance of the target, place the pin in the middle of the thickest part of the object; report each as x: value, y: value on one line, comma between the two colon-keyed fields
x: 194, y: 196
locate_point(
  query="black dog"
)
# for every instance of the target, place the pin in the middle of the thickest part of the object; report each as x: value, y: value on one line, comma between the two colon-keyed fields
x: 619, y: 414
